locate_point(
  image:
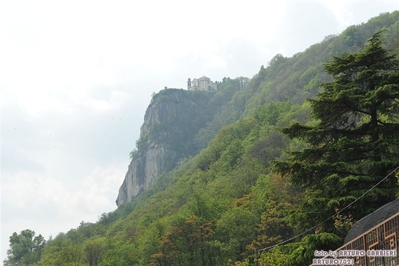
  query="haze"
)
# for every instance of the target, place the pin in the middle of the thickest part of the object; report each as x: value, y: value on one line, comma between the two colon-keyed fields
x: 77, y: 76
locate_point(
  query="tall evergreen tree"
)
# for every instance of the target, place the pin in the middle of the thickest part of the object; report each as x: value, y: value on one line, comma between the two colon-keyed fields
x: 355, y: 142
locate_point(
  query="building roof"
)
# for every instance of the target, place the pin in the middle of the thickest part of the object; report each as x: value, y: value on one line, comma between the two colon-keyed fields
x: 373, y: 219
x: 204, y: 78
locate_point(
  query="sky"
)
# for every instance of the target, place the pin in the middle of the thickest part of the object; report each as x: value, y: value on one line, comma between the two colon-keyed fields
x: 76, y: 78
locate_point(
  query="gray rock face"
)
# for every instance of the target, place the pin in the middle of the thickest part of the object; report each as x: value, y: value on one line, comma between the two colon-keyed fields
x: 166, y: 137
x: 142, y: 172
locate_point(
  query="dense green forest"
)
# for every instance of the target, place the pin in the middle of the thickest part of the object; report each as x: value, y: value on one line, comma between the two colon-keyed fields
x: 283, y: 157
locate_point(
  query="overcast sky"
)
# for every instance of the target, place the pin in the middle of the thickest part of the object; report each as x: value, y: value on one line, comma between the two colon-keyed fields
x: 77, y: 76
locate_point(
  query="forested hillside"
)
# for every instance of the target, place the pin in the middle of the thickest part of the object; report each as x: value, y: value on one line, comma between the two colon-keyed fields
x: 173, y: 132
x: 261, y: 178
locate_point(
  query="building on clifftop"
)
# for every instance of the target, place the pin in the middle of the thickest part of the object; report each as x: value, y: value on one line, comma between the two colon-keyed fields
x: 203, y: 84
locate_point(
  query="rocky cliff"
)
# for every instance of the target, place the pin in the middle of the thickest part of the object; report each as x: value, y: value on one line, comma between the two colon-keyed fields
x: 167, y: 135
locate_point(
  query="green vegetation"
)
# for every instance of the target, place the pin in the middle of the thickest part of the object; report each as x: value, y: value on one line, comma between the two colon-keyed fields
x: 25, y: 248
x: 272, y: 165
x: 354, y: 143
x: 188, y: 121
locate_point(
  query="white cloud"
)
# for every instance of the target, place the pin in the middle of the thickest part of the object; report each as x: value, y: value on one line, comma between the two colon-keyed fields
x: 48, y: 205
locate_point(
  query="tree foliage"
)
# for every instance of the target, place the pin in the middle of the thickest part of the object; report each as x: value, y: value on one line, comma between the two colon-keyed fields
x: 225, y: 204
x: 25, y: 248
x: 354, y: 144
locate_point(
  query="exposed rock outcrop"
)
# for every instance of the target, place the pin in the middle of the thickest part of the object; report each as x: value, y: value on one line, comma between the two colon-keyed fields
x: 144, y: 168
x: 166, y: 137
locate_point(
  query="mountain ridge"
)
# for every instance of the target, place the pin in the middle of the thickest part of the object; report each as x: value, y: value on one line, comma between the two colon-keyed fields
x: 285, y: 79
x: 218, y: 201
x: 169, y: 134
